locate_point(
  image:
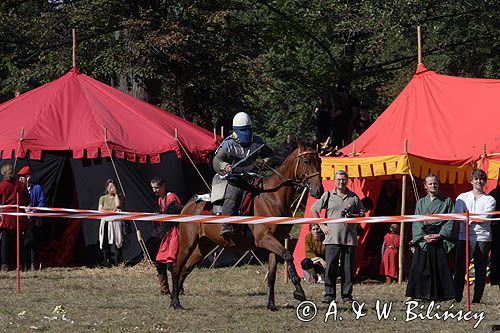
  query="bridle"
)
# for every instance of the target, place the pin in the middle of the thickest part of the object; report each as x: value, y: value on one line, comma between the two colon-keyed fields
x: 305, y: 176
x: 296, y: 181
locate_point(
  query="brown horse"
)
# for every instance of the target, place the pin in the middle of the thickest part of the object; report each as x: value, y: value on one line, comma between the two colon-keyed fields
x: 302, y: 167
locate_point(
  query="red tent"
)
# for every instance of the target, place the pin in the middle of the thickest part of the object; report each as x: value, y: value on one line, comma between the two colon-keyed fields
x: 63, y: 130
x: 73, y: 113
x: 450, y: 125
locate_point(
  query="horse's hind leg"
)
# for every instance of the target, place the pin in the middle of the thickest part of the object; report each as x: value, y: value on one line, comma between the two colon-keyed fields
x: 271, y: 280
x: 269, y: 242
x: 193, y: 260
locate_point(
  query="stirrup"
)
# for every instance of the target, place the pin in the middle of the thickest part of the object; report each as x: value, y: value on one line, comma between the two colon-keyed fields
x: 227, y: 231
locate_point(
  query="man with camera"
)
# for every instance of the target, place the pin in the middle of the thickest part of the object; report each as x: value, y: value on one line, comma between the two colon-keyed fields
x: 340, y: 238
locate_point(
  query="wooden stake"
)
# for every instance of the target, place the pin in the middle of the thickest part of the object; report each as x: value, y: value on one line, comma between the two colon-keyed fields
x: 74, y: 47
x: 402, y: 226
x: 176, y: 134
x: 300, y: 200
x: 222, y: 132
x: 419, y: 38
x: 215, y: 135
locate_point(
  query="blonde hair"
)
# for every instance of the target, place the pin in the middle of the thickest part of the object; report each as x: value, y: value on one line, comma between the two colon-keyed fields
x: 7, y: 171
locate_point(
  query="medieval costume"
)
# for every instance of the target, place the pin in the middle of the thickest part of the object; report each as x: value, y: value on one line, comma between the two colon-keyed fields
x: 430, y: 274
x: 495, y: 242
x: 167, y: 253
x: 390, y: 265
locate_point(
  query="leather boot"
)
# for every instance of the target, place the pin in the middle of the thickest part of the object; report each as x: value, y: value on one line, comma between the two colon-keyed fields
x: 163, y: 281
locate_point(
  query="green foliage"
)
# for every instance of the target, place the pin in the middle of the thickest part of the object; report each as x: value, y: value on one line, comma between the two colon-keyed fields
x: 206, y: 60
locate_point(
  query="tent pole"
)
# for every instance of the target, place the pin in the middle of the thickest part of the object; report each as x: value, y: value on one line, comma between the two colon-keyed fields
x: 419, y: 39
x: 140, y: 240
x: 73, y: 31
x: 18, y: 255
x: 402, y: 232
x: 402, y: 227
x: 21, y: 139
x: 190, y: 160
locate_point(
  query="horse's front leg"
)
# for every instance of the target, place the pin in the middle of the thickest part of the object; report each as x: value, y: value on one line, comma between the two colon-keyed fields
x: 269, y: 242
x: 271, y: 281
x: 188, y: 240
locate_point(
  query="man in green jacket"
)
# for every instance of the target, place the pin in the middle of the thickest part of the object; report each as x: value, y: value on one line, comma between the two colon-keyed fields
x: 430, y: 274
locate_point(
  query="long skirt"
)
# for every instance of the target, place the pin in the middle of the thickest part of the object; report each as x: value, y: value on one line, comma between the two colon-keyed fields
x: 430, y: 275
x: 169, y: 246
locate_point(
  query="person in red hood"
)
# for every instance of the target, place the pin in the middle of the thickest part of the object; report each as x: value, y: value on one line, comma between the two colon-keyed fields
x: 9, y: 187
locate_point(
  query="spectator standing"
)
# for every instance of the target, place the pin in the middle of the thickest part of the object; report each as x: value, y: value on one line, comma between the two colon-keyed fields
x: 324, y: 112
x: 110, y: 231
x: 9, y: 188
x: 390, y: 250
x: 346, y: 109
x: 363, y: 121
x: 32, y: 235
x: 430, y: 273
x: 340, y: 238
x: 314, y: 263
x: 475, y: 201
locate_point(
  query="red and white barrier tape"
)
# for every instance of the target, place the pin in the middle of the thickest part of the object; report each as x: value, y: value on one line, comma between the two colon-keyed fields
x: 138, y: 216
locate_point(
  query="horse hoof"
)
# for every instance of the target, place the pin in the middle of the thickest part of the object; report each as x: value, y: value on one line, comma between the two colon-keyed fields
x: 176, y: 306
x: 299, y: 296
x: 272, y: 307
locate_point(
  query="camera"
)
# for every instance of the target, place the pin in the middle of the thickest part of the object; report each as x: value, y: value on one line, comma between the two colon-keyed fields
x: 346, y: 212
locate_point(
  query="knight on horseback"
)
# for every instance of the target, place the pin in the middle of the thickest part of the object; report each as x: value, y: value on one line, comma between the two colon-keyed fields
x: 236, y: 154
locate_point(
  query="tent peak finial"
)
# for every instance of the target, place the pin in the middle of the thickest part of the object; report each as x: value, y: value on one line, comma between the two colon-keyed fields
x: 75, y: 70
x: 421, y: 68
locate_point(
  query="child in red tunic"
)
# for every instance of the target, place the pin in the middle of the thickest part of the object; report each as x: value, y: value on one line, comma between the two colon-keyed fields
x: 389, y: 265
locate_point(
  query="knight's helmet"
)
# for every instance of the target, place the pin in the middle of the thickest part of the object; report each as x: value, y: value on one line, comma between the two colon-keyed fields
x: 242, y: 125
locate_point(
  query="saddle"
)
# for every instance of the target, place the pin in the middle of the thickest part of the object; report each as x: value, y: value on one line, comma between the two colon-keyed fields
x: 251, y: 185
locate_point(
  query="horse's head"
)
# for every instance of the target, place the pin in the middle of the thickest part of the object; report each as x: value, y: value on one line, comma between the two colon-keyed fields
x: 308, y: 169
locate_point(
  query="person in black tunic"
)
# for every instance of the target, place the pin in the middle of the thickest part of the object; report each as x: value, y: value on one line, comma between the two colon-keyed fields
x: 430, y: 274
x: 495, y: 242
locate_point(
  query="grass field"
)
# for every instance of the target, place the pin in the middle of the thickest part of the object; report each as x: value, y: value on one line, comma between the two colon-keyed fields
x: 127, y: 300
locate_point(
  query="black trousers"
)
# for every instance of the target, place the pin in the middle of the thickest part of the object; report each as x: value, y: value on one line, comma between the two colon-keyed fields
x: 343, y: 255
x: 31, y: 245
x: 7, y: 246
x: 480, y: 255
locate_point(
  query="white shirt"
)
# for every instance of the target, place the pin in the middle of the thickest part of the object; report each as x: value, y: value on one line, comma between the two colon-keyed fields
x: 481, y: 231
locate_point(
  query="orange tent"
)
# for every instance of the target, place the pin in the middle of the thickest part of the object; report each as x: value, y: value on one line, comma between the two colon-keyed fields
x: 441, y: 124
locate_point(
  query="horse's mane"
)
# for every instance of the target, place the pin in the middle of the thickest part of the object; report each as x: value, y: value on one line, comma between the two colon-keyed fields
x: 286, y: 148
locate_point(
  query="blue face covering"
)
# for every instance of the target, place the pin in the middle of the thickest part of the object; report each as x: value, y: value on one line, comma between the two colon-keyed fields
x: 245, y: 134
